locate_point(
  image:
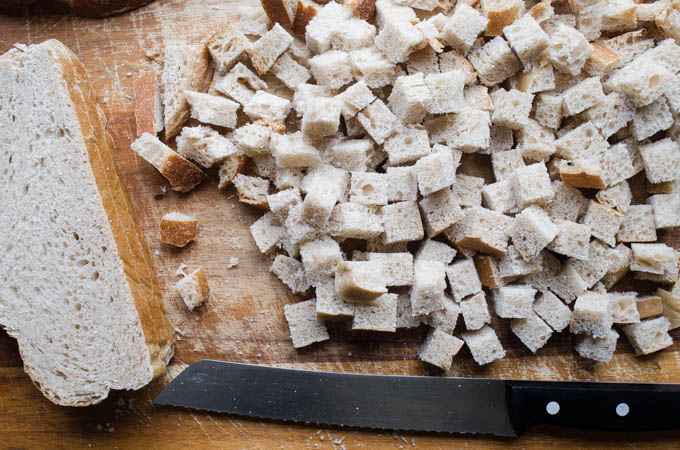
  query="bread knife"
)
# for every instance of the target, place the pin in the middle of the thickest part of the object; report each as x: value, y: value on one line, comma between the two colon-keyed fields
x: 420, y: 403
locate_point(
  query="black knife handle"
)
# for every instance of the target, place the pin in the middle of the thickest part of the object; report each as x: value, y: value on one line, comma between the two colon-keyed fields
x: 605, y: 406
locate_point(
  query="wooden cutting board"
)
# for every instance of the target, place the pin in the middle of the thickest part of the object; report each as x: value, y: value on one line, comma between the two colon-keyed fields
x: 243, y: 320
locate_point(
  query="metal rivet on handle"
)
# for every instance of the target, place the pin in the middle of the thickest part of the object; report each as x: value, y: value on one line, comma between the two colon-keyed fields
x: 622, y: 409
x: 552, y: 408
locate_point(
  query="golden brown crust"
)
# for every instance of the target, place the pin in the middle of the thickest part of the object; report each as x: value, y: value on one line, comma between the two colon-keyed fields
x: 231, y: 166
x: 478, y: 244
x: 277, y: 12
x: 500, y: 16
x: 178, y: 232
x: 146, y: 99
x: 541, y: 11
x: 649, y: 306
x: 363, y: 9
x: 488, y: 271
x: 582, y: 177
x: 303, y: 15
x: 182, y: 174
x: 202, y: 283
x: 132, y: 249
x: 602, y: 58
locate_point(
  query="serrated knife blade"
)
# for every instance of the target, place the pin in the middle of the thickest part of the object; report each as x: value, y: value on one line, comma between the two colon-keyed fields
x: 418, y: 403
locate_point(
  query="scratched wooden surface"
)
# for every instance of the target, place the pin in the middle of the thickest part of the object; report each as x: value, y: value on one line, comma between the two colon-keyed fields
x: 243, y: 320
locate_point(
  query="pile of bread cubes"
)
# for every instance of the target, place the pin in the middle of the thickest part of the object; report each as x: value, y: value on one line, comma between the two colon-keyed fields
x: 348, y: 124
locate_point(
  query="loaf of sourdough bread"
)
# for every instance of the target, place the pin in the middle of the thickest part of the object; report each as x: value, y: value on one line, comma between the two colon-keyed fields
x: 78, y: 288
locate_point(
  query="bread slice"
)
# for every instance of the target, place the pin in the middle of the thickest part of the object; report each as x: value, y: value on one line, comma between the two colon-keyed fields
x: 185, y: 69
x: 61, y: 177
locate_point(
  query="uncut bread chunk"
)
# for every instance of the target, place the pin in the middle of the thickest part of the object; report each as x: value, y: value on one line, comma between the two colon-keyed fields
x: 66, y: 179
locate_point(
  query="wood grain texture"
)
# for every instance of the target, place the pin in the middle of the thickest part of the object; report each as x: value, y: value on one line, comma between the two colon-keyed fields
x: 243, y: 320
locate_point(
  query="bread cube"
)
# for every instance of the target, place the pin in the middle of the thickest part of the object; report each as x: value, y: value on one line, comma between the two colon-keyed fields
x: 321, y: 117
x: 253, y: 139
x: 373, y: 67
x: 398, y: 39
x: 402, y: 222
x: 291, y: 273
x: 435, y: 172
x: 638, y: 225
x: 439, y: 349
x: 617, y: 196
x: 252, y: 190
x: 463, y: 279
x: 592, y: 315
x: 462, y: 28
x: 548, y: 109
x: 264, y: 105
x: 621, y: 257
x: 397, y: 267
x: 320, y: 257
x: 511, y: 108
x: 430, y: 250
x: 649, y: 306
x: 290, y: 72
x: 655, y: 259
x: 552, y: 310
x: 642, y: 82
x: 378, y: 121
x: 402, y: 184
x: 227, y: 46
x: 332, y: 69
x: 427, y: 292
x: 467, y: 190
x: 292, y: 151
x: 600, y: 114
x: 379, y: 315
x: 604, y: 222
x: 536, y: 142
x: 266, y: 50
x: 531, y: 185
x: 568, y: 50
x: 446, y: 92
x: 281, y: 202
x: 407, y: 146
x: 539, y: 77
x: 444, y: 319
x: 568, y: 284
x: 369, y: 188
x: 352, y: 34
x: 582, y: 96
x: 494, y: 61
x: 212, y: 109
x: 409, y: 98
x: 454, y: 60
x: 475, y: 312
x: 599, y: 261
x: 481, y: 229
x: 583, y: 173
x: 405, y: 319
x: 298, y: 228
x: 306, y: 93
x: 488, y: 270
x: 267, y: 231
x: 193, y: 288
x: 649, y: 336
x: 650, y: 119
x: 204, y: 146
x: 467, y: 132
x: 512, y: 264
x: 567, y: 204
x: 499, y: 197
x: 240, y: 84
x: 505, y: 163
x: 598, y: 349
x: 178, y: 229
x: 514, y: 301
x: 501, y: 140
x: 527, y: 39
x: 329, y: 305
x: 500, y: 13
x: 439, y: 211
x: 355, y: 98
x: 359, y: 281
x: 349, y: 154
x: 583, y: 142
x: 484, y: 345
x: 425, y: 61
x: 572, y: 240
x: 318, y: 204
x: 532, y: 331
x: 671, y: 307
x: 305, y: 327
x: 624, y: 307
x: 602, y: 61
x: 661, y: 160
x: 666, y: 210
x: 354, y: 220
x: 616, y: 165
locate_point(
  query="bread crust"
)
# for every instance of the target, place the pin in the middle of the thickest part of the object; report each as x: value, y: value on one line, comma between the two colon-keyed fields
x: 126, y: 232
x: 103, y: 8
x: 277, y: 13
x: 363, y: 9
x: 303, y: 15
x: 182, y: 175
x: 178, y: 232
x: 146, y: 98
